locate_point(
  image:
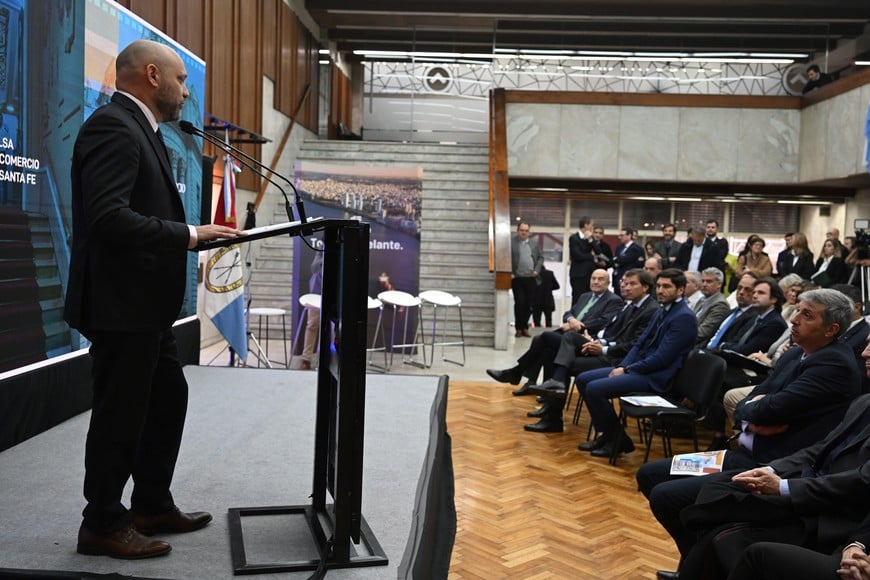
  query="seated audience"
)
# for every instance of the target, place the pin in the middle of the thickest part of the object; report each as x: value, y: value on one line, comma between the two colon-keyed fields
x: 693, y: 289
x: 815, y: 498
x: 797, y: 405
x: 649, y: 366
x: 754, y: 259
x: 580, y: 352
x: 591, y: 312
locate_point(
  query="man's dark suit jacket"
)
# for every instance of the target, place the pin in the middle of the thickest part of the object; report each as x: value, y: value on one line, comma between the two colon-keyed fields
x: 580, y: 250
x: 620, y: 338
x: 601, y: 312
x: 661, y: 350
x: 769, y: 329
x: 661, y: 248
x: 129, y: 240
x: 738, y: 326
x: 810, y: 396
x: 626, y: 259
x: 710, y: 256
x: 838, y: 500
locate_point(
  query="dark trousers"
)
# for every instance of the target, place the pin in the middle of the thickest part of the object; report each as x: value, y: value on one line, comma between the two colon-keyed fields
x: 540, y: 354
x: 777, y: 561
x: 524, y: 297
x: 669, y: 494
x: 598, y: 389
x: 538, y: 312
x: 139, y: 407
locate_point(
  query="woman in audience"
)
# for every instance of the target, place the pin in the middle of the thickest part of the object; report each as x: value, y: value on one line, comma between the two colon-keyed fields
x: 754, y: 259
x: 800, y: 258
x: 791, y: 286
x: 830, y: 267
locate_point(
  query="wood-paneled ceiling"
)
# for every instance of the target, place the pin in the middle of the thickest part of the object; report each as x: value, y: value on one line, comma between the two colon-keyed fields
x: 811, y: 27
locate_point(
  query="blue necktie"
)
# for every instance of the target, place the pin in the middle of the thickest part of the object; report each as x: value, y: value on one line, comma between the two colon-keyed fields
x: 717, y: 338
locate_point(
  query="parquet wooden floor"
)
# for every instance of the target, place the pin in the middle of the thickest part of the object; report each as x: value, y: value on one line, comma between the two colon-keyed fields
x: 532, y: 506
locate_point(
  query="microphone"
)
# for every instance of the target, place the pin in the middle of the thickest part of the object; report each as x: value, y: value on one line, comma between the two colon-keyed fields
x: 189, y: 128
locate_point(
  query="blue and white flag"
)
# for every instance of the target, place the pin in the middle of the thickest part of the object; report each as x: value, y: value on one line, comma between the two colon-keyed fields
x: 224, y: 276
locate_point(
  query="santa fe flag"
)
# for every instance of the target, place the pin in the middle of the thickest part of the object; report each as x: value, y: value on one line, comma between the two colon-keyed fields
x: 224, y: 277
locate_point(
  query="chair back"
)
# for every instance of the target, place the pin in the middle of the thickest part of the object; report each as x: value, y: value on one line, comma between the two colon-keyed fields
x: 700, y: 378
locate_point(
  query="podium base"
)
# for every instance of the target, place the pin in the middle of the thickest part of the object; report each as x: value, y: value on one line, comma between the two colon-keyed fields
x: 327, y: 560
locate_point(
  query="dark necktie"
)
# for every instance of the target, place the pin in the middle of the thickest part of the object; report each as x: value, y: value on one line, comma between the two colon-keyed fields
x: 615, y: 327
x: 159, y: 134
x: 748, y: 334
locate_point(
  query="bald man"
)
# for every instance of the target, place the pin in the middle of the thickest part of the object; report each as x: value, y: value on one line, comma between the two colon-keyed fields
x: 126, y: 286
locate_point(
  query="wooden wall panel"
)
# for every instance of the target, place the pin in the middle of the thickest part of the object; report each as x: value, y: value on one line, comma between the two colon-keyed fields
x: 241, y: 41
x: 269, y: 37
x: 189, y: 26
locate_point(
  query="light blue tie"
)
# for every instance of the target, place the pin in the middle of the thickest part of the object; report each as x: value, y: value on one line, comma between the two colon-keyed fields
x: 714, y: 342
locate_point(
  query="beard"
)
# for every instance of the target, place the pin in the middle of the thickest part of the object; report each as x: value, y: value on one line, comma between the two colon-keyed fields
x: 168, y: 105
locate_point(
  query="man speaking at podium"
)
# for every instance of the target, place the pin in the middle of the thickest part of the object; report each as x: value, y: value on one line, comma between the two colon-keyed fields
x: 126, y: 286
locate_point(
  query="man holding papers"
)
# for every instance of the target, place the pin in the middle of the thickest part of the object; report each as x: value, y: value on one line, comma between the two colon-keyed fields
x: 796, y: 406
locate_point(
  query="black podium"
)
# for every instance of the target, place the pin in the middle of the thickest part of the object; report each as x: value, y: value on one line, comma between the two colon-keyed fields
x: 338, y: 529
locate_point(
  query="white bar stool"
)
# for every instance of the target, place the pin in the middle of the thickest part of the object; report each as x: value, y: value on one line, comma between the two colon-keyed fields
x: 267, y: 313
x: 397, y: 300
x: 375, y: 303
x: 305, y: 301
x: 445, y: 300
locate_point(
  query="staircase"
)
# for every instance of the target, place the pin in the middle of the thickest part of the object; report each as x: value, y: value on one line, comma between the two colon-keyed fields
x: 31, y: 301
x: 453, y: 238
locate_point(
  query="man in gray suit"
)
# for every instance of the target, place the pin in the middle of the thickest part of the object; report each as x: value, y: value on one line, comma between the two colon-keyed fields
x: 713, y: 308
x: 592, y: 311
x: 526, y: 262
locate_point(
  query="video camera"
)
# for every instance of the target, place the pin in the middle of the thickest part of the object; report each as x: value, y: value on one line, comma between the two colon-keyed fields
x: 862, y: 238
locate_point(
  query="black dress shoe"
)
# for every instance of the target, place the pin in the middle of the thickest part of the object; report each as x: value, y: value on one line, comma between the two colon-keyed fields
x: 537, y: 413
x: 126, y: 544
x: 545, y: 425
x: 606, y: 450
x: 549, y: 389
x: 173, y: 521
x: 596, y: 443
x: 667, y: 575
x: 506, y: 376
x: 524, y: 390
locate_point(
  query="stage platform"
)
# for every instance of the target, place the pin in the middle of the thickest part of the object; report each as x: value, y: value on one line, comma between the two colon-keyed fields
x: 249, y: 442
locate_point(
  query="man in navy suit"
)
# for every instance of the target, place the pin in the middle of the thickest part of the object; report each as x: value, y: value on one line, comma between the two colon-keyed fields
x: 798, y: 404
x: 856, y: 336
x: 590, y: 313
x: 650, y: 365
x: 126, y: 286
x: 629, y: 254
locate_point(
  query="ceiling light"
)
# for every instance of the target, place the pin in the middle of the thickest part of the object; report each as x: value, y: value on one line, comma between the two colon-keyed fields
x: 862, y: 63
x: 323, y: 51
x: 802, y: 202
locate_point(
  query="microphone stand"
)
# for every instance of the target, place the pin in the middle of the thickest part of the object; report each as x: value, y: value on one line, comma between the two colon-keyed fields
x: 189, y: 128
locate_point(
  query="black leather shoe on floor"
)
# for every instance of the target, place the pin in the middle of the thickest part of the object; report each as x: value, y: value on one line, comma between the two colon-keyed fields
x: 537, y: 413
x: 596, y: 443
x: 524, y: 390
x: 606, y: 450
x: 545, y: 425
x: 505, y: 376
x: 667, y: 575
x: 549, y: 388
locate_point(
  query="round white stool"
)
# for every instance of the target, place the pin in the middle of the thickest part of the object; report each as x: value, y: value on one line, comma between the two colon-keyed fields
x: 267, y: 313
x: 445, y: 300
x: 398, y: 299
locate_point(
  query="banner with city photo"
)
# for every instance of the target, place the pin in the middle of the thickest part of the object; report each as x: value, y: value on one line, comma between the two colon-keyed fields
x: 389, y: 200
